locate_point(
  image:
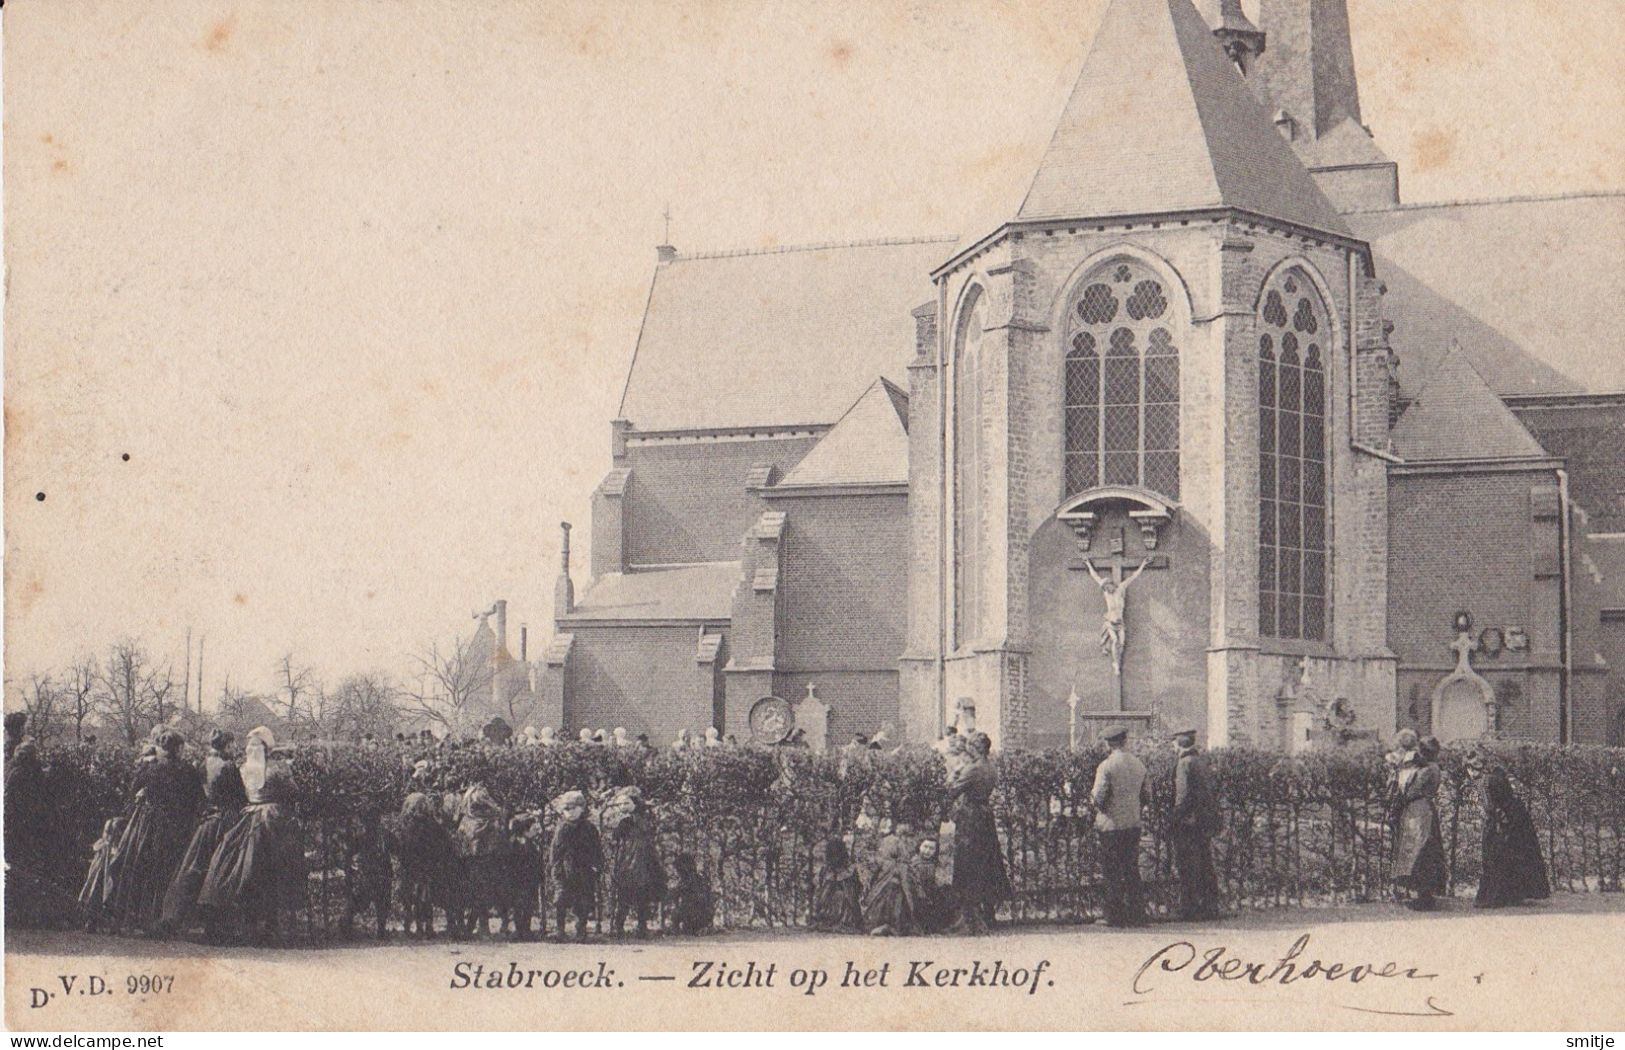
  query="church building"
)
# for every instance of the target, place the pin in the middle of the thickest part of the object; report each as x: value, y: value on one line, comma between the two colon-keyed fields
x: 1208, y: 427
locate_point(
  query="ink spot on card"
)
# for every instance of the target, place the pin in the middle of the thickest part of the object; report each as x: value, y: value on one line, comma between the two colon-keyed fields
x: 40, y: 496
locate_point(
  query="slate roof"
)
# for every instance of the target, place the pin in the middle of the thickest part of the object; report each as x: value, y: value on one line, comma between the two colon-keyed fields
x: 685, y: 592
x: 1161, y: 121
x: 868, y: 446
x: 775, y: 338
x: 1458, y: 417
x: 1530, y: 287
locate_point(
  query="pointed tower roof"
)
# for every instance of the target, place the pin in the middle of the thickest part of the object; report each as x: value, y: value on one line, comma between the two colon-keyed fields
x: 868, y: 446
x: 1458, y: 416
x: 1160, y: 121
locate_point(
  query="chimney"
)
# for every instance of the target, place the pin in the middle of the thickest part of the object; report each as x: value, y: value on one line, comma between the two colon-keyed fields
x: 502, y: 624
x: 564, y: 592
x: 524, y: 643
x: 665, y: 253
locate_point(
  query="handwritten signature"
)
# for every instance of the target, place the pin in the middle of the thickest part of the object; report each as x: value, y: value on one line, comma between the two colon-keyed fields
x: 1222, y: 964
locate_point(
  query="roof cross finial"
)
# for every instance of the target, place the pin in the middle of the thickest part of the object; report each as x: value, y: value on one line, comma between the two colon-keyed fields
x: 667, y: 216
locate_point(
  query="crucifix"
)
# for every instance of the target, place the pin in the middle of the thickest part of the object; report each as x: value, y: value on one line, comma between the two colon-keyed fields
x: 1109, y: 575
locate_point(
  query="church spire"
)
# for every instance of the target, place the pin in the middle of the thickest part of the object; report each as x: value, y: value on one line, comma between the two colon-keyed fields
x: 1160, y: 122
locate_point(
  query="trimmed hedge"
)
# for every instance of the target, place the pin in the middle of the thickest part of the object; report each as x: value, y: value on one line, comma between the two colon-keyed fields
x: 1298, y: 830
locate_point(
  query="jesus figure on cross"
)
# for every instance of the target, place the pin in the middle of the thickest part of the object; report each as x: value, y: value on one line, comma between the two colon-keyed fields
x: 1114, y: 590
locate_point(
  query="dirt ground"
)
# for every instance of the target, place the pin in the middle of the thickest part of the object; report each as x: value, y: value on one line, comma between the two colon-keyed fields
x: 1557, y: 965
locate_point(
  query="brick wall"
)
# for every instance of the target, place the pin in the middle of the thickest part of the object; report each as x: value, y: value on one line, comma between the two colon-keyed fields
x: 1482, y: 543
x: 687, y: 502
x: 843, y: 576
x: 646, y: 679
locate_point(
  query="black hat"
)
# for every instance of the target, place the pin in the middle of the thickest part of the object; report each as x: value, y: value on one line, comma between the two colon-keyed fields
x: 1111, y: 733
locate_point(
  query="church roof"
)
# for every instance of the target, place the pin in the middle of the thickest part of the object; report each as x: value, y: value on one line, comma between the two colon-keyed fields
x: 1458, y: 417
x: 1161, y: 121
x: 775, y: 338
x: 685, y: 592
x: 868, y: 446
x: 1529, y: 286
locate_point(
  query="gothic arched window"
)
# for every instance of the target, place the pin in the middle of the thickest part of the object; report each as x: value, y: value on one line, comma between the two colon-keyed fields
x: 969, y: 459
x: 1122, y: 383
x: 1293, y: 549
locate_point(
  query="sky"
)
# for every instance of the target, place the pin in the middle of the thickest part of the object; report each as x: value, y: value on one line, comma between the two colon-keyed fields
x: 317, y: 314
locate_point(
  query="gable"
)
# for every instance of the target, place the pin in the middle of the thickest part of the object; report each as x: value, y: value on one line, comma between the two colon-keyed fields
x: 785, y: 338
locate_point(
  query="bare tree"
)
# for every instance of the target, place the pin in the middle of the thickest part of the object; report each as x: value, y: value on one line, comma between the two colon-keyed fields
x: 451, y: 684
x: 240, y: 710
x: 133, y: 692
x: 297, y: 690
x: 43, y: 698
x: 362, y: 704
x: 79, y: 685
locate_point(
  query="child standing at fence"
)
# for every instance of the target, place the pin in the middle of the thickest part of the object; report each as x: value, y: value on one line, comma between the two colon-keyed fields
x: 574, y: 861
x: 640, y: 877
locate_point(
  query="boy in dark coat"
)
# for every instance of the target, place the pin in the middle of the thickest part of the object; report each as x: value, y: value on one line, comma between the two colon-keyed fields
x: 574, y: 861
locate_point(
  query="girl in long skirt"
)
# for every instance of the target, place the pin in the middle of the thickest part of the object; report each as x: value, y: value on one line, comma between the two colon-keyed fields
x: 93, y: 895
x: 168, y: 793
x: 838, y: 904
x: 888, y: 909
x: 258, y: 869
x: 223, y: 800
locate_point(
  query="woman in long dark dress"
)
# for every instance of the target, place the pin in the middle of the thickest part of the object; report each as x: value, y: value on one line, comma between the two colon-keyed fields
x: 223, y: 800
x: 168, y: 792
x: 1418, y: 846
x: 980, y: 881
x: 1513, y: 868
x: 258, y: 870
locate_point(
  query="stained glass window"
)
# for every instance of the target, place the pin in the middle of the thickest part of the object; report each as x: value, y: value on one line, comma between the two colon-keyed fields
x: 1122, y: 383
x: 1293, y: 546
x: 968, y: 471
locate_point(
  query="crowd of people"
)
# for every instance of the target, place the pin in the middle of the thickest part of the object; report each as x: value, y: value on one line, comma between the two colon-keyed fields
x: 218, y: 851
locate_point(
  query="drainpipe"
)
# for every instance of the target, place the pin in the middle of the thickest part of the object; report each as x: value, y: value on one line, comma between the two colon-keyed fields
x: 1565, y: 540
x: 944, y: 615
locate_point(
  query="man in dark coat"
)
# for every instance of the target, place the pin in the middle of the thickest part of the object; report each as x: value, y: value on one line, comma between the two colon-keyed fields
x: 1195, y: 821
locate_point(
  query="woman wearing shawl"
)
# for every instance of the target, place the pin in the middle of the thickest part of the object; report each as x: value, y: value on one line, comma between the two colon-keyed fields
x: 168, y: 793
x: 980, y: 881
x: 223, y: 800
x: 258, y: 870
x: 1418, y: 845
x: 838, y: 904
x: 639, y: 874
x: 1513, y: 869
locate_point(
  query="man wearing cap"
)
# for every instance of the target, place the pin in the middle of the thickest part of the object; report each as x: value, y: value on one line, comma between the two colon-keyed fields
x: 1118, y: 794
x: 1195, y: 821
